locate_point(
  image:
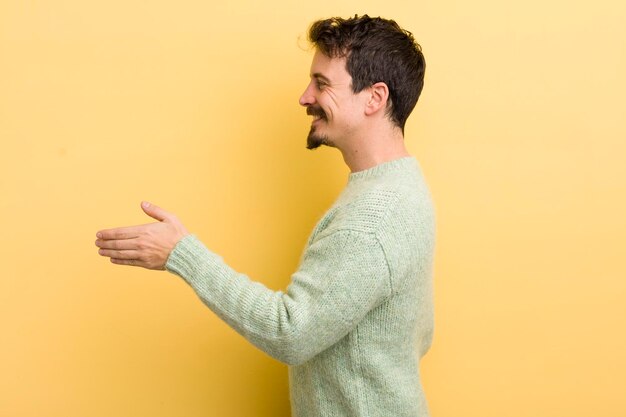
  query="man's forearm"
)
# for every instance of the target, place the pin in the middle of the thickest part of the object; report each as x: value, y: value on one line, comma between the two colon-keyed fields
x: 315, y: 312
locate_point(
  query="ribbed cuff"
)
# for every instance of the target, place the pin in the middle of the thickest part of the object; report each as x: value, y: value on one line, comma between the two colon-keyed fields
x: 191, y: 260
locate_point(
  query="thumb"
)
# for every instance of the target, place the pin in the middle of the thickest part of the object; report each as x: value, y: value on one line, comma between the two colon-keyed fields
x: 154, y: 211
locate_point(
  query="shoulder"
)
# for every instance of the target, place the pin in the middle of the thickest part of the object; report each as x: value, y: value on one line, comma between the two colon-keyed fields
x: 394, y: 193
x: 366, y: 211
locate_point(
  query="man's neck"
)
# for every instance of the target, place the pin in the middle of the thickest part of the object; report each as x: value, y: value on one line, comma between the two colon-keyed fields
x: 375, y: 149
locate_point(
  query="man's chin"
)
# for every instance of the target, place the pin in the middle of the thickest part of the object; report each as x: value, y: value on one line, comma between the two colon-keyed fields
x: 314, y: 141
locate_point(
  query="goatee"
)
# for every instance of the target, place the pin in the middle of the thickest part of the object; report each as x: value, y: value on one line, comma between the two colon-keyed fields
x: 314, y: 141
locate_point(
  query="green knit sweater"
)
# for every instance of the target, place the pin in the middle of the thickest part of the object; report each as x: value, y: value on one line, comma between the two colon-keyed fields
x: 357, y: 315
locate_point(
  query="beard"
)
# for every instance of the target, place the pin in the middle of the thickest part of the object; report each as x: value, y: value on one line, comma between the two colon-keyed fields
x: 314, y: 140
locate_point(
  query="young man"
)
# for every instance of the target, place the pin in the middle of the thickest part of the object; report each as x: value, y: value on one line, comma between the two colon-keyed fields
x: 358, y: 313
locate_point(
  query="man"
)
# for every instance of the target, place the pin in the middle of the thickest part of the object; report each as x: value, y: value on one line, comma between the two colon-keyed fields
x: 358, y: 313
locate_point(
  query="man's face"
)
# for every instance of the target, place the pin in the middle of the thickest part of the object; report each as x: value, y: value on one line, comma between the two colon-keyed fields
x: 331, y: 102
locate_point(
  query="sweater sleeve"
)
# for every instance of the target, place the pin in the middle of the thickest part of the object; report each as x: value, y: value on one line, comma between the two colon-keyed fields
x: 342, y: 276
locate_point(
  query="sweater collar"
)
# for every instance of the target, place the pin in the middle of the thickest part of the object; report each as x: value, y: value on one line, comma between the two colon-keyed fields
x: 400, y: 164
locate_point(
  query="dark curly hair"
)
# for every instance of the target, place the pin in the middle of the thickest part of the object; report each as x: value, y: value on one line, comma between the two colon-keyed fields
x: 376, y: 50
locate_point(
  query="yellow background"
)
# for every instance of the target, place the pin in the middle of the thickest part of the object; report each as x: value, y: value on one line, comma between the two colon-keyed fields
x: 193, y: 105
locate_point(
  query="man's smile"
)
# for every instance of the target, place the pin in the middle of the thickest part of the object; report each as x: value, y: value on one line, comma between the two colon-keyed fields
x: 317, y: 113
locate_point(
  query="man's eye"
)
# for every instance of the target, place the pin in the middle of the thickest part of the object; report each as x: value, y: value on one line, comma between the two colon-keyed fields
x: 320, y: 84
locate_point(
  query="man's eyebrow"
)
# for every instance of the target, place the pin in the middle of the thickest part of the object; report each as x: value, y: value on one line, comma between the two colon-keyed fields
x: 320, y: 76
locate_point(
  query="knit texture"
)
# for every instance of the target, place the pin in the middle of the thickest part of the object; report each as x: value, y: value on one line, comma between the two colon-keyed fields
x: 357, y: 315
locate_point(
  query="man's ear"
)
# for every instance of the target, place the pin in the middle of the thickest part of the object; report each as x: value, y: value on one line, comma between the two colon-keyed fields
x: 379, y: 95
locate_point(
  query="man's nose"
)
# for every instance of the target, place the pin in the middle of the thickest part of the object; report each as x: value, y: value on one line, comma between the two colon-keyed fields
x: 307, y: 98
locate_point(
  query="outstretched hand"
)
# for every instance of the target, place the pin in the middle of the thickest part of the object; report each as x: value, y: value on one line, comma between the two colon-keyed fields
x: 148, y: 245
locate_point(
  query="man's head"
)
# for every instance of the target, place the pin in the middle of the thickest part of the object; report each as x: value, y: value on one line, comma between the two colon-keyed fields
x: 373, y: 52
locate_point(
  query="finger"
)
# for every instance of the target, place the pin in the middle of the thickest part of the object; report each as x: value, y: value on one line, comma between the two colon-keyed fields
x: 155, y: 212
x: 124, y: 244
x: 129, y: 262
x: 119, y: 254
x: 130, y: 232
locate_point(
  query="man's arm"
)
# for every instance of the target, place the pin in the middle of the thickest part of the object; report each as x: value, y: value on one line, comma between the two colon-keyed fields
x: 341, y: 278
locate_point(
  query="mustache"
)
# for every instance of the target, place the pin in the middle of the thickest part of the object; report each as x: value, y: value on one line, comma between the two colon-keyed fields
x: 316, y: 111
